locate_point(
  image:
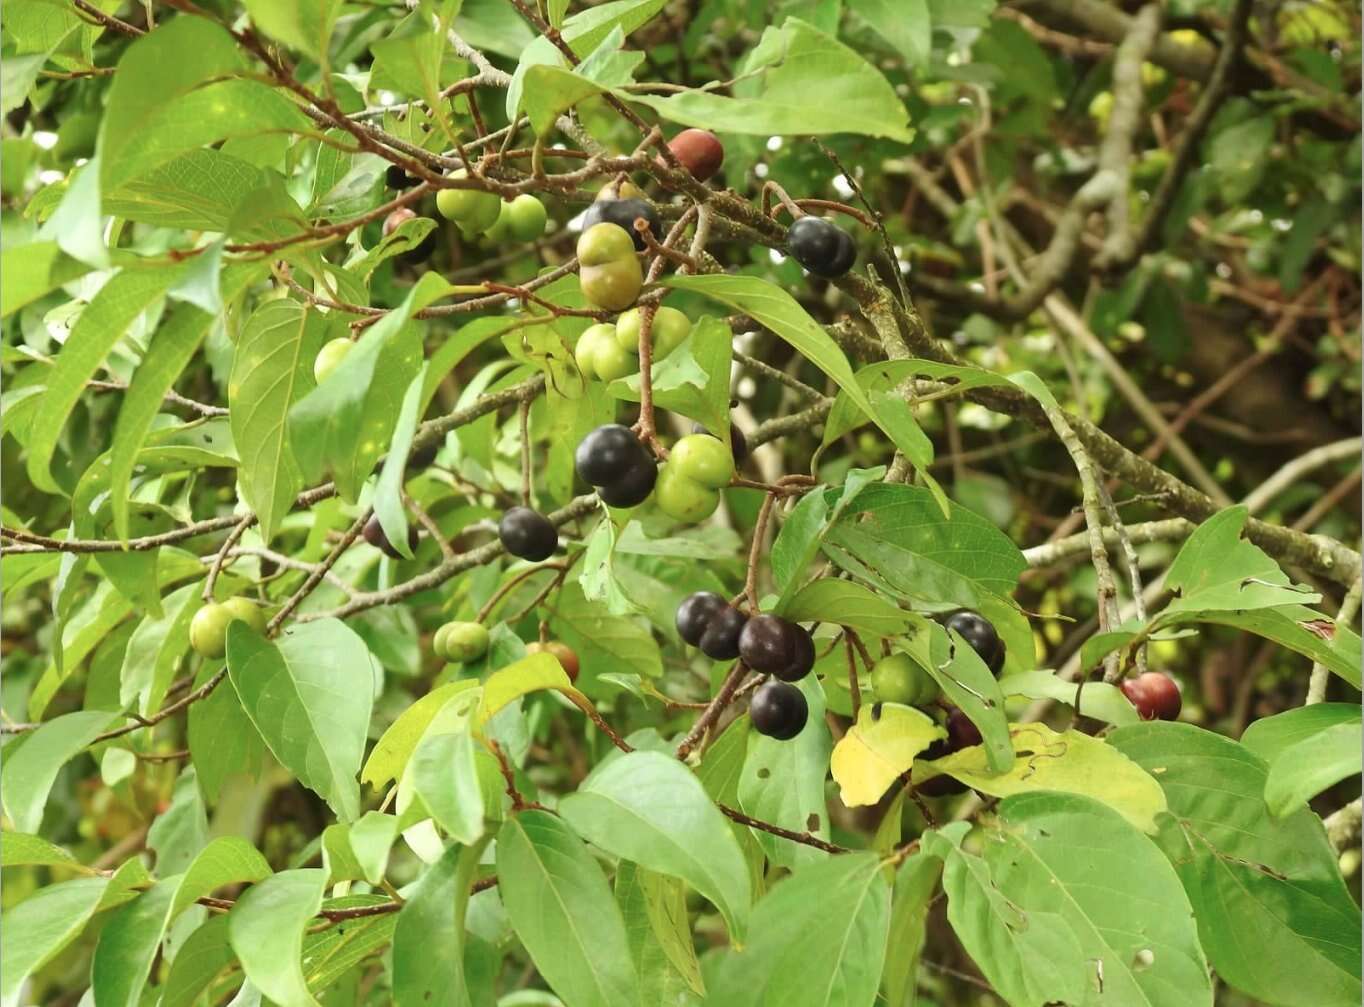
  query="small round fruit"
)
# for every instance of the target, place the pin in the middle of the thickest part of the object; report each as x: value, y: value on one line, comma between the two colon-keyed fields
x: 374, y: 535
x: 568, y: 658
x: 684, y: 499
x: 738, y: 443
x: 609, y: 272
x: 695, y: 614
x: 961, y: 731
x: 525, y: 217
x: 671, y: 327
x: 600, y: 356
x: 821, y: 247
x: 898, y: 679
x: 631, y: 489
x: 778, y: 710
x: 703, y: 459
x: 700, y: 152
x: 980, y: 633
x: 247, y: 611
x: 623, y: 213
x: 527, y: 534
x: 396, y: 178
x: 608, y: 453
x: 776, y: 646
x: 438, y: 640
x: 397, y: 219
x: 469, y: 207
x: 720, y: 641
x: 1155, y: 696
x: 462, y: 641
x: 208, y: 630
x: 329, y: 358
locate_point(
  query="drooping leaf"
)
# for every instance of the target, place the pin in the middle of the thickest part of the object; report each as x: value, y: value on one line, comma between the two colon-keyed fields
x: 31, y: 766
x: 915, y: 882
x: 265, y: 929
x: 846, y: 603
x: 128, y: 944
x: 388, y: 758
x: 1097, y: 699
x: 428, y: 943
x: 226, y: 860
x: 654, y: 908
x: 878, y: 748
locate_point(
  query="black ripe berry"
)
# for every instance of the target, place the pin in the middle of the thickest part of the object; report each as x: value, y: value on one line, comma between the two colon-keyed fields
x: 738, y: 443
x: 774, y: 646
x: 423, y: 455
x: 374, y: 535
x: 624, y: 213
x: 976, y: 630
x: 778, y: 710
x: 961, y: 733
x: 527, y: 534
x: 612, y: 459
x: 396, y: 178
x: 720, y: 641
x: 821, y: 247
x: 695, y: 613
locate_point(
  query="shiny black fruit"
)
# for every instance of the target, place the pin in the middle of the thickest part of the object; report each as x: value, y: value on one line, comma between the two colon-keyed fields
x: 774, y: 646
x: 978, y: 631
x: 624, y: 213
x: 720, y: 641
x: 821, y: 247
x: 527, y: 534
x: 608, y: 453
x: 695, y: 613
x: 632, y: 488
x: 778, y: 710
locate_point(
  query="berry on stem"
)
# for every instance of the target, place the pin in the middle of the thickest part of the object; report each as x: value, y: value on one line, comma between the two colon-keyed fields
x: 612, y: 459
x: 899, y: 679
x: 720, y: 641
x: 1155, y: 696
x: 821, y: 247
x: 738, y: 443
x: 776, y: 646
x: 623, y: 213
x: 671, y: 327
x: 567, y: 656
x: 459, y: 642
x: 699, y: 151
x: 329, y: 358
x: 525, y: 217
x: 208, y: 628
x: 778, y: 710
x: 609, y: 271
x: 374, y: 535
x: 527, y: 534
x: 600, y: 356
x: 695, y: 614
x: 980, y: 633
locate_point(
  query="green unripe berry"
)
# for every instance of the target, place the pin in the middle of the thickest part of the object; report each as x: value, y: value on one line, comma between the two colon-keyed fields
x: 247, y: 611
x: 703, y: 459
x: 600, y: 356
x: 525, y: 217
x: 474, y: 210
x: 459, y: 642
x: 898, y: 679
x: 682, y: 498
x: 609, y: 273
x: 329, y: 358
x: 208, y: 628
x: 671, y: 327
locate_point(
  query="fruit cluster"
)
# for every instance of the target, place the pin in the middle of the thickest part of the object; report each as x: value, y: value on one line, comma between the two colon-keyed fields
x: 612, y: 459
x: 607, y: 352
x: 478, y: 212
x: 690, y: 481
x: 208, y: 628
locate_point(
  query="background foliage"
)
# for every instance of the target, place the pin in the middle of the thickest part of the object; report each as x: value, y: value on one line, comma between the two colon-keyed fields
x: 1095, y: 375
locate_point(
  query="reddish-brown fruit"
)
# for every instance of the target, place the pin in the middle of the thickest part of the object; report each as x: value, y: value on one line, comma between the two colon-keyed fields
x: 700, y: 152
x: 397, y: 219
x: 566, y: 655
x: 1155, y: 696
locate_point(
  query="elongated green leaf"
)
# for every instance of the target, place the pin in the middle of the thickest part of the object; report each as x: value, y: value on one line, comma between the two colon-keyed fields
x: 915, y: 882
x: 1046, y: 908
x: 128, y: 944
x: 388, y: 492
x: 532, y: 673
x: 1269, y: 737
x: 562, y: 909
x: 28, y: 271
x: 271, y: 370
x: 818, y: 939
x: 803, y: 531
x: 603, y: 642
x: 204, y: 961
x: 817, y: 86
x: 1217, y: 569
x: 1332, y: 644
x: 905, y: 24
x: 848, y: 604
x: 654, y: 907
x: 1302, y: 771
x: 310, y: 697
x: 1097, y: 699
x: 445, y: 776
x: 222, y: 739
x: 38, y: 928
x: 389, y: 757
x: 31, y: 766
x: 155, y: 649
x: 265, y: 929
x: 694, y: 378
x: 305, y: 25
x: 428, y: 944
x: 1273, y: 913
x: 649, y: 808
x: 20, y: 848
x: 783, y: 783
x: 181, y: 831
x: 100, y: 326
x: 226, y: 860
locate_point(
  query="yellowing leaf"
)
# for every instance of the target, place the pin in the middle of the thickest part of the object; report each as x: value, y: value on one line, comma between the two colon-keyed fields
x: 1069, y: 762
x: 530, y: 674
x: 878, y: 749
x: 395, y: 747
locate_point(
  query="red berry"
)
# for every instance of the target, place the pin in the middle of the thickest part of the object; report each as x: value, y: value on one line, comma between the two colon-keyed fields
x: 567, y: 656
x: 1155, y: 696
x: 700, y: 152
x: 397, y: 218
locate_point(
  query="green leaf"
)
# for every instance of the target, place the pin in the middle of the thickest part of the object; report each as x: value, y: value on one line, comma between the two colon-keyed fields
x: 1304, y: 770
x: 1066, y: 762
x: 815, y: 86
x: 37, y: 929
x: 915, y: 883
x: 428, y: 943
x: 226, y: 860
x: 1097, y: 699
x: 305, y: 25
x: 222, y: 739
x: 345, y: 423
x: 1046, y: 910
x: 31, y: 765
x: 335, y: 952
x: 310, y: 697
x: 371, y: 838
x: 1217, y: 569
x: 1305, y: 630
x: 1273, y: 913
x: 904, y: 24
x: 445, y: 777
x: 562, y: 910
x: 390, y: 755
x: 548, y: 90
x: 654, y: 908
x: 649, y: 808
x: 802, y: 533
x: 265, y: 929
x: 18, y: 849
x: 878, y: 749
x: 783, y: 783
x: 76, y: 225
x: 598, y: 578
x: 388, y: 491
x: 204, y: 961
x: 155, y: 650
x: 272, y: 369
x: 1269, y: 737
x: 181, y: 831
x: 530, y: 674
x: 818, y: 939
x: 98, y: 329
x: 29, y: 271
x: 694, y: 378
x: 604, y: 643
x: 847, y: 604
x: 209, y: 190
x: 128, y: 944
